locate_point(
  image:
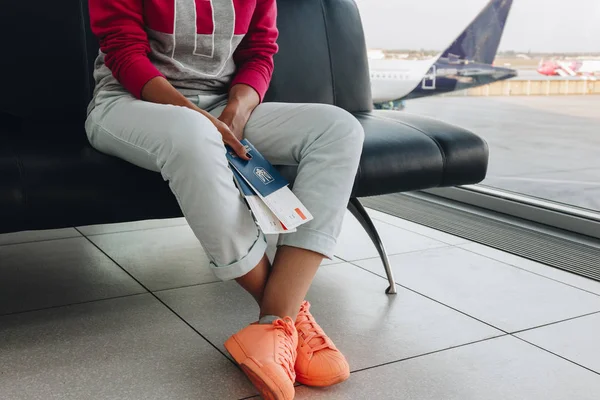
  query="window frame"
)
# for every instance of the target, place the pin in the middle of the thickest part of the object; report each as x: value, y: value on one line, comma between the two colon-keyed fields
x: 556, y: 215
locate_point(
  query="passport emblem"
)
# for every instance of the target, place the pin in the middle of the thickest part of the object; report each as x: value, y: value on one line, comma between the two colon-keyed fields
x: 263, y: 175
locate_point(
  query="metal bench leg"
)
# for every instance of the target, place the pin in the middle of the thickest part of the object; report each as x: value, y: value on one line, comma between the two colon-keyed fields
x: 361, y: 215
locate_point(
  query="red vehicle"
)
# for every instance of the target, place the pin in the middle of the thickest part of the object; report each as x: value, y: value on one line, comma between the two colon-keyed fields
x: 570, y: 68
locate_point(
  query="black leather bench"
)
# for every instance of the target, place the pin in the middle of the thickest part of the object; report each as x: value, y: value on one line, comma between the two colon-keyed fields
x: 50, y: 177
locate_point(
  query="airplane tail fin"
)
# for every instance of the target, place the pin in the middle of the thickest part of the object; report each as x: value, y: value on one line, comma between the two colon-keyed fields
x: 480, y: 40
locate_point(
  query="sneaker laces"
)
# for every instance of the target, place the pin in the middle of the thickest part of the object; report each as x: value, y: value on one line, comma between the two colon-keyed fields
x: 314, y: 337
x: 286, y: 356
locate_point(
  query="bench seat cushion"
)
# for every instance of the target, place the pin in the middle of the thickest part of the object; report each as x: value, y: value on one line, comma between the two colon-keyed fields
x: 50, y: 184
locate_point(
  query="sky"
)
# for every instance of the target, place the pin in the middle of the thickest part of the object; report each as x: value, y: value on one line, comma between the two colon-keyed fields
x: 536, y: 25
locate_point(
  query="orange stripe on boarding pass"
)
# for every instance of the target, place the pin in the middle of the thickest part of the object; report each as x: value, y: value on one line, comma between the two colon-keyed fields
x: 300, y: 213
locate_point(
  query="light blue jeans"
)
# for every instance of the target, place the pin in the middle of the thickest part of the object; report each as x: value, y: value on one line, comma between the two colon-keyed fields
x: 324, y: 141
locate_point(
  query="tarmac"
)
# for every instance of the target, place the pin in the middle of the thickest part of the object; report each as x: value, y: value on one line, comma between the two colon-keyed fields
x: 546, y: 147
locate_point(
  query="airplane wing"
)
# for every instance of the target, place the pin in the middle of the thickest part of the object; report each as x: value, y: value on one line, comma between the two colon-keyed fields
x: 473, y: 72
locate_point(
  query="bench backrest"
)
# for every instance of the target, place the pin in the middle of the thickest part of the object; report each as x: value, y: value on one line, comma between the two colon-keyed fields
x: 48, y: 52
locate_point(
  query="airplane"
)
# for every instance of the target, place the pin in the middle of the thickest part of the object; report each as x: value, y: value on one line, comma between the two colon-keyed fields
x: 583, y: 68
x: 466, y: 63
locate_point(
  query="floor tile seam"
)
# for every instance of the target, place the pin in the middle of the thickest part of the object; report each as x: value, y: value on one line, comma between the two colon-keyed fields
x: 528, y: 271
x: 443, y: 246
x: 78, y: 236
x: 165, y: 304
x: 416, y: 233
x: 429, y: 353
x: 554, y: 322
x: 477, y: 319
x: 466, y: 241
x: 130, y: 230
x: 434, y: 300
x: 78, y: 303
x: 556, y: 354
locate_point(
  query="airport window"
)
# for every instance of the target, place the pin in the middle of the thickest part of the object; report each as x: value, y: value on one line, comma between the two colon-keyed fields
x: 531, y: 93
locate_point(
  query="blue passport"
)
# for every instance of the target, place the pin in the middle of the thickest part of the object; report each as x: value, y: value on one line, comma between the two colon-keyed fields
x: 259, y: 172
x: 242, y: 184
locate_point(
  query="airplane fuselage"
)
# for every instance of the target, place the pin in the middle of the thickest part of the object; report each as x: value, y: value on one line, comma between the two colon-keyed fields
x: 408, y: 79
x: 465, y: 63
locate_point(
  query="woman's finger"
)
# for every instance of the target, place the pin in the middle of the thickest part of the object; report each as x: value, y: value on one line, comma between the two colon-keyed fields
x: 237, y: 146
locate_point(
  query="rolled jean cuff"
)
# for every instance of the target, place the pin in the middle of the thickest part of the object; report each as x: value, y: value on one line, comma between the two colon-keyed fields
x: 244, y: 265
x: 309, y: 239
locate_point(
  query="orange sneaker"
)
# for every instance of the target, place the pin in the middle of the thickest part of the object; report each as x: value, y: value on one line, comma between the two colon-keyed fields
x: 319, y: 362
x: 266, y: 353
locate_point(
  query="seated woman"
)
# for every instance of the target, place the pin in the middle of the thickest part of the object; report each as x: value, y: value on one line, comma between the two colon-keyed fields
x: 175, y: 82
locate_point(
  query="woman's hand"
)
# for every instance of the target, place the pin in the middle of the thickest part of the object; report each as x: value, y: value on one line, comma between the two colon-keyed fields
x: 240, y: 104
x: 242, y: 101
x: 159, y: 90
x: 230, y: 139
x: 235, y: 117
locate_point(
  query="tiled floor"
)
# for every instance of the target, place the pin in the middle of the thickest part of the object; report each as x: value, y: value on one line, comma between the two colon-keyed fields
x: 131, y: 311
